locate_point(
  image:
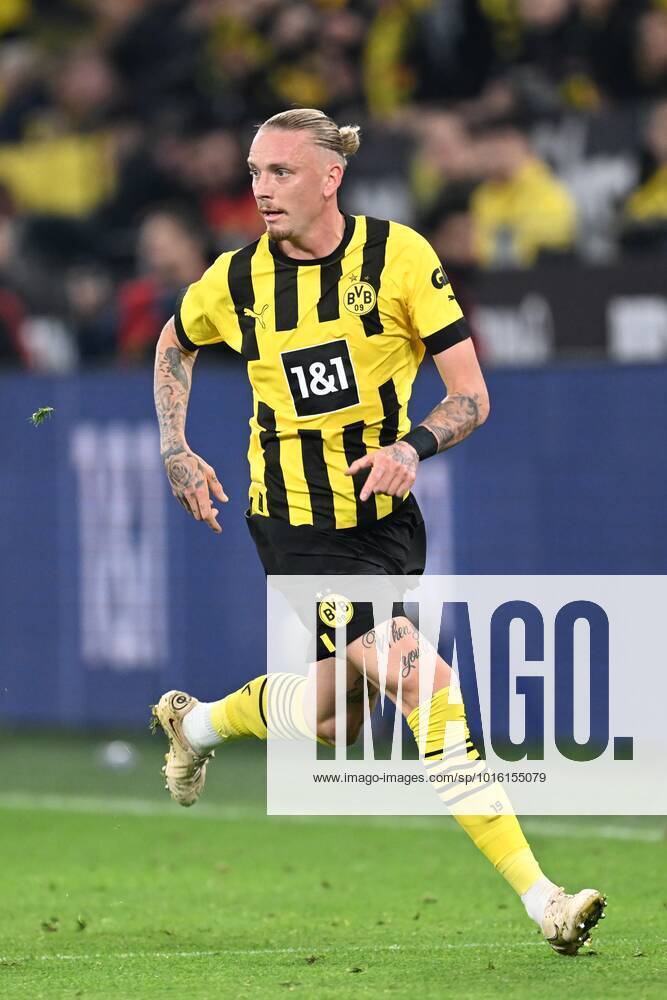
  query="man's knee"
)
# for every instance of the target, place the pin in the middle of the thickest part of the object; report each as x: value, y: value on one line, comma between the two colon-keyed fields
x: 326, y: 729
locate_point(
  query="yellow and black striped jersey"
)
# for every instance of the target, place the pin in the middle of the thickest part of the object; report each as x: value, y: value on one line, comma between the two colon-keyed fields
x: 332, y: 347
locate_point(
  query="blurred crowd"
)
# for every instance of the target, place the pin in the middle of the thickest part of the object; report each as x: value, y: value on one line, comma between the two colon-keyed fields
x: 511, y: 132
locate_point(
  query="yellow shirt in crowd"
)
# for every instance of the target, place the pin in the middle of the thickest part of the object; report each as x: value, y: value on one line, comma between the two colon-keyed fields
x: 516, y: 219
x: 62, y: 175
x: 650, y: 200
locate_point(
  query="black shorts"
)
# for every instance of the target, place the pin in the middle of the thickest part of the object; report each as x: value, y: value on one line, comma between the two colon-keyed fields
x: 393, y: 546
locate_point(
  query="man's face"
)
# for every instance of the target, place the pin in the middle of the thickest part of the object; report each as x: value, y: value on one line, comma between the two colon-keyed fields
x: 292, y: 180
x: 165, y: 247
x: 501, y: 153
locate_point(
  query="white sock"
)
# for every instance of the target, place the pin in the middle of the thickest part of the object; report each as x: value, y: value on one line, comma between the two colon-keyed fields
x: 198, y: 728
x: 537, y: 897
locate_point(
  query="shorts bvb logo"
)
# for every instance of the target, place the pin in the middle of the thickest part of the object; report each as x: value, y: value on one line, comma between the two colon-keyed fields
x: 335, y: 611
x: 359, y: 298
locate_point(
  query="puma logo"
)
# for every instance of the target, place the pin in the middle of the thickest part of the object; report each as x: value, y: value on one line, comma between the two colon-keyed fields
x: 259, y: 316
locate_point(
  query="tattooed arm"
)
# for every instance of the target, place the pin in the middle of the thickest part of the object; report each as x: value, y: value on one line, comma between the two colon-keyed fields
x: 466, y: 405
x: 192, y: 479
x: 464, y: 408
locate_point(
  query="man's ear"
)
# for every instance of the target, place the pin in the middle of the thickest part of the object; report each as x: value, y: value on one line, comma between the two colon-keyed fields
x: 333, y: 180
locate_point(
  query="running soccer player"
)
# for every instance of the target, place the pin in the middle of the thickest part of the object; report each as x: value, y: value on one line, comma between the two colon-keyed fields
x: 333, y: 315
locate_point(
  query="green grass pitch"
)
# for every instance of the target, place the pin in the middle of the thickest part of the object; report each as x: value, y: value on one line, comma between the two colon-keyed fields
x: 110, y: 891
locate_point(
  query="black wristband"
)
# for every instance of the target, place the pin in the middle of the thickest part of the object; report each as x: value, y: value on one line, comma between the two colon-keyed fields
x: 423, y: 441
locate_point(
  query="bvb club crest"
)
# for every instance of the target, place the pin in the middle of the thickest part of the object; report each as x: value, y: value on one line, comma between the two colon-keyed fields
x: 359, y: 298
x: 336, y: 611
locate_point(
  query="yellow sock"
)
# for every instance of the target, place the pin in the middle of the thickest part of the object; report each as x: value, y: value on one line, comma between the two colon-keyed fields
x: 279, y: 697
x: 498, y: 836
x: 242, y: 713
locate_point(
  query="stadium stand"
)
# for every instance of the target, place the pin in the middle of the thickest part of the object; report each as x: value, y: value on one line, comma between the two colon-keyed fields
x: 116, y: 117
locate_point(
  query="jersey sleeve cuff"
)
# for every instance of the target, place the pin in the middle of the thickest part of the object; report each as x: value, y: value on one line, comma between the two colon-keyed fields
x: 183, y: 338
x: 447, y: 337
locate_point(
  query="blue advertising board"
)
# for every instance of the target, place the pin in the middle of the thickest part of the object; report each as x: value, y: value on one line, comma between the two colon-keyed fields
x: 111, y: 594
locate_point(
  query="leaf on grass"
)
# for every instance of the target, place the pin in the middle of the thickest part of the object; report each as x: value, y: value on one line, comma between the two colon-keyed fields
x: 639, y: 954
x: 490, y: 967
x: 355, y: 968
x: 429, y: 898
x: 50, y: 925
x: 312, y: 959
x: 81, y: 923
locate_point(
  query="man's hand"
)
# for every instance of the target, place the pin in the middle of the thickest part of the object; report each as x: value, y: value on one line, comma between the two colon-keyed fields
x: 393, y: 470
x: 192, y: 481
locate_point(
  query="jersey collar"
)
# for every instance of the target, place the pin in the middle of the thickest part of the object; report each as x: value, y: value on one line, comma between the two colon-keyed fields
x: 333, y: 256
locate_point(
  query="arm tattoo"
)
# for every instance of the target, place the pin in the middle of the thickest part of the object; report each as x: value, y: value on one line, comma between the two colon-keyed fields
x: 173, y: 373
x: 173, y: 377
x: 171, y: 363
x: 453, y: 419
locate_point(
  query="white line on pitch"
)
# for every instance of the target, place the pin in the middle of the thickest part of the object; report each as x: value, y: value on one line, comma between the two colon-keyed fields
x: 320, y: 952
x: 239, y: 952
x: 122, y: 807
x: 546, y: 826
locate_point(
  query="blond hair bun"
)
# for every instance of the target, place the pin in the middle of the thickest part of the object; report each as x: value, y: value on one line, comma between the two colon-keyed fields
x: 323, y: 130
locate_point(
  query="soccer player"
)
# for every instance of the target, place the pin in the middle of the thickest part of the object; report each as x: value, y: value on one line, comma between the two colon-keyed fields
x: 333, y: 314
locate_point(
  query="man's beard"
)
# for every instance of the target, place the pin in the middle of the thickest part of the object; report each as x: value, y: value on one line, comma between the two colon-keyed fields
x: 279, y: 233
